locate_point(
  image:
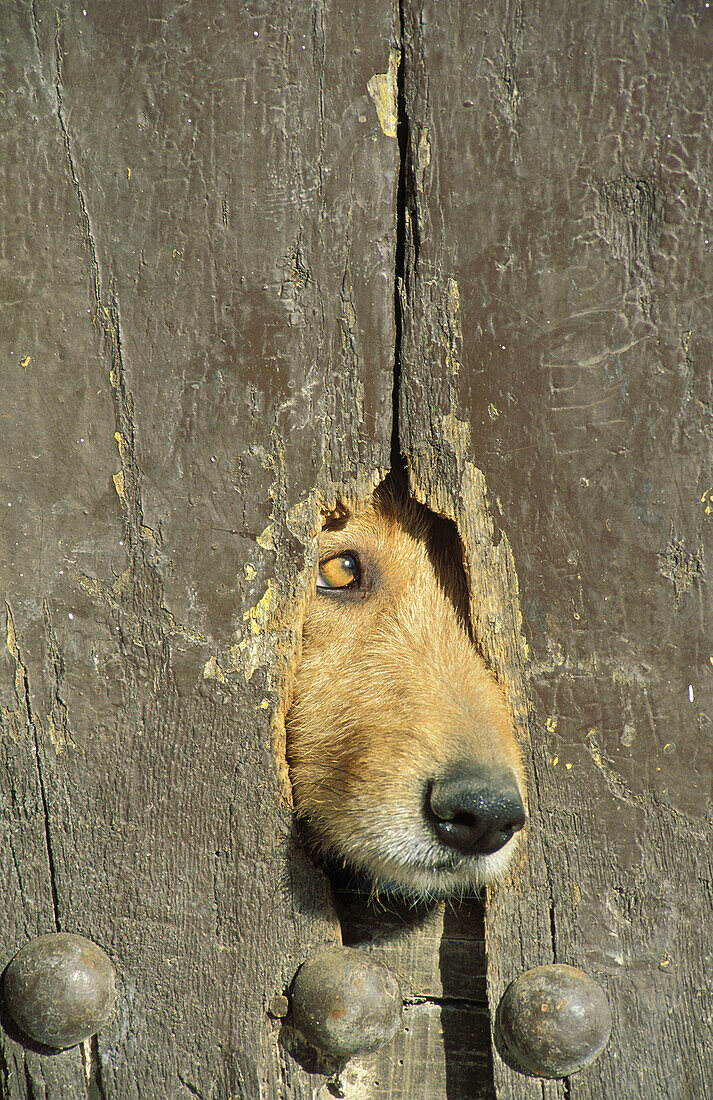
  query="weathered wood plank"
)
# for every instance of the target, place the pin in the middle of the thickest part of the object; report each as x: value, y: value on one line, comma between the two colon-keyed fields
x: 442, y: 1051
x: 557, y: 349
x: 197, y: 257
x: 437, y: 952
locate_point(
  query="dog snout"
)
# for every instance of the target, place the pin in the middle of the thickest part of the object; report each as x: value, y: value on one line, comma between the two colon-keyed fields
x: 475, y: 812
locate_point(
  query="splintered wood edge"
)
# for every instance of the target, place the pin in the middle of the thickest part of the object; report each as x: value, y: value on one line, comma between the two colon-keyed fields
x: 304, y: 521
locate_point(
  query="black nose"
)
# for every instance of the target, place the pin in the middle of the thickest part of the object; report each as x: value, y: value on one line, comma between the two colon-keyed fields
x: 475, y: 811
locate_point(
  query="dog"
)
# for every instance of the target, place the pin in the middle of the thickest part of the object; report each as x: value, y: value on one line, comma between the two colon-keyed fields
x: 402, y: 757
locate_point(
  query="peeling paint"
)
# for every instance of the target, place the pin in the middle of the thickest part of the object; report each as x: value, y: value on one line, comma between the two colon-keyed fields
x: 302, y: 519
x: 457, y: 433
x: 118, y: 480
x: 449, y: 322
x: 453, y: 297
x: 258, y: 615
x: 14, y: 651
x: 266, y: 539
x: 383, y: 91
x: 423, y: 158
x: 213, y: 671
x: 59, y: 737
x: 196, y: 636
x: 115, y: 595
x: 10, y: 635
x: 299, y: 272
x: 615, y: 782
x: 256, y: 649
x: 680, y: 565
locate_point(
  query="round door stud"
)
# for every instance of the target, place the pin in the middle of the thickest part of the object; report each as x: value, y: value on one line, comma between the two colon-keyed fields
x: 60, y: 989
x: 554, y: 1020
x: 345, y: 1003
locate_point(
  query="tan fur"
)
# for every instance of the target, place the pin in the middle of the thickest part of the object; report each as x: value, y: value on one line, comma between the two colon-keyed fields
x: 391, y: 693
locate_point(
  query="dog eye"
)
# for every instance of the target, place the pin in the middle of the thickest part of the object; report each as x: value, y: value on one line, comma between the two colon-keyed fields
x: 338, y: 572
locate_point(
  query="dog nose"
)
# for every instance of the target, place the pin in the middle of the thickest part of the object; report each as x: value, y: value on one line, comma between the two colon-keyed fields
x: 475, y: 812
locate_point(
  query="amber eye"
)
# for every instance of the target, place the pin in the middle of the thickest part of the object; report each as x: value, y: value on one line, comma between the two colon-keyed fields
x: 341, y: 571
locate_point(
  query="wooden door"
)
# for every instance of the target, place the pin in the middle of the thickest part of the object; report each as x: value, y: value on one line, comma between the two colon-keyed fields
x: 556, y: 378
x: 250, y: 254
x: 197, y: 261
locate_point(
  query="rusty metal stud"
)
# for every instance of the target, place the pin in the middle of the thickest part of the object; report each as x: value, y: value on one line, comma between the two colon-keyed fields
x: 60, y: 989
x: 345, y: 1003
x: 554, y: 1020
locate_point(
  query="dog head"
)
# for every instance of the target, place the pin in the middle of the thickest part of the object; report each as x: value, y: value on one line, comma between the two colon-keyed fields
x: 400, y: 743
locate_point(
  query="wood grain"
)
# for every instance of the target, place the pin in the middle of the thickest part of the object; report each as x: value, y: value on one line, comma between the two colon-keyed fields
x: 206, y: 214
x: 197, y: 259
x: 555, y: 400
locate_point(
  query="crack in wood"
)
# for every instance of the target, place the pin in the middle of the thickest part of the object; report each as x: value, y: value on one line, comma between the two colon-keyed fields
x: 35, y: 29
x: 146, y: 584
x: 318, y: 60
x: 403, y: 138
x: 92, y: 1069
x: 22, y: 694
x: 553, y: 929
x: 64, y: 127
x: 190, y: 1088
x: 29, y: 1082
x: 466, y: 1003
x: 5, y: 1077
x: 60, y: 733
